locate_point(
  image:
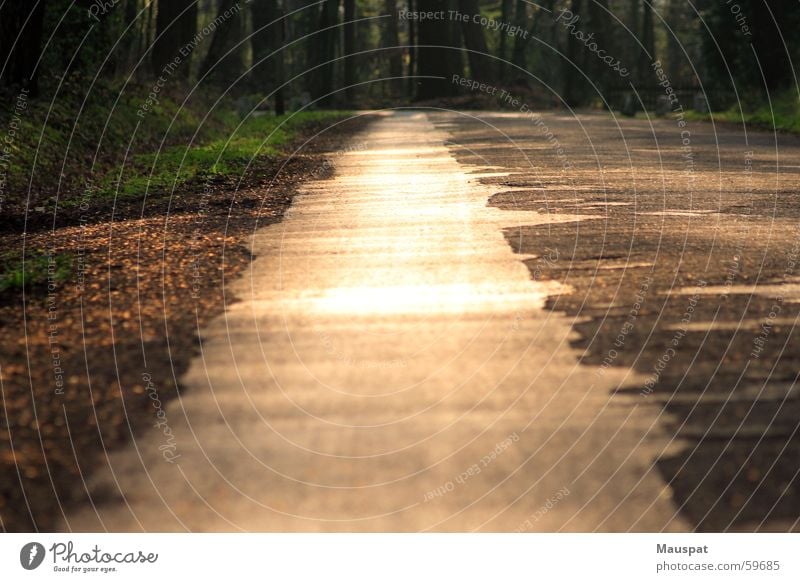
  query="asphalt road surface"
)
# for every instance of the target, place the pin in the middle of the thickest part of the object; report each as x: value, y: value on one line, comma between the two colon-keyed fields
x: 497, y: 322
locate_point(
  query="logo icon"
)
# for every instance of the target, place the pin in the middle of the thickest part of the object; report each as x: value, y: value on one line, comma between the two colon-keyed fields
x: 31, y: 555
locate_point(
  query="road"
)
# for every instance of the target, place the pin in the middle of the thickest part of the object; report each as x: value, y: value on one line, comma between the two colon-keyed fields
x: 459, y: 330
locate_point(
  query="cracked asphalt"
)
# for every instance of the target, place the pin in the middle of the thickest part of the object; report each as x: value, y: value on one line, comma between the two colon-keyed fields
x: 689, y: 279
x: 498, y: 322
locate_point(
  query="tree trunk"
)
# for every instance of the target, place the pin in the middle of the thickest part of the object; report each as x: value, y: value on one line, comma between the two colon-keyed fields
x: 633, y: 23
x: 224, y: 62
x: 21, y: 43
x: 572, y: 68
x: 675, y: 57
x: 129, y: 41
x: 266, y: 42
x: 521, y: 41
x: 648, y: 52
x: 599, y: 21
x: 413, y: 37
x: 519, y: 57
x: 176, y: 25
x: 391, y: 38
x: 506, y: 14
x: 324, y: 47
x: 280, y: 60
x: 434, y: 58
x: 480, y: 63
x: 148, y: 23
x: 349, y: 49
x: 456, y: 54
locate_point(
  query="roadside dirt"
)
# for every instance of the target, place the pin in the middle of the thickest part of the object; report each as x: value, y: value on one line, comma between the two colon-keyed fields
x: 689, y: 278
x: 90, y: 361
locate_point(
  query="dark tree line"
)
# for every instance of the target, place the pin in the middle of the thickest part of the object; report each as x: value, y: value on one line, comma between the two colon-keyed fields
x: 342, y: 53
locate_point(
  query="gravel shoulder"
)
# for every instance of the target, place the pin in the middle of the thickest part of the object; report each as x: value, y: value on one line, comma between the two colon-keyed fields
x: 89, y: 360
x: 687, y: 275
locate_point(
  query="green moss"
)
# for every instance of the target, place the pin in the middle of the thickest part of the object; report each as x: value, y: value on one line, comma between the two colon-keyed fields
x: 109, y: 145
x: 33, y: 271
x: 782, y: 114
x: 223, y: 152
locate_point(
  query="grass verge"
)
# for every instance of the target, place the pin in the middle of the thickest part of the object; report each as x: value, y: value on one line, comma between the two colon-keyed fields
x: 781, y: 114
x: 35, y: 271
x: 239, y: 146
x: 83, y: 355
x: 63, y: 154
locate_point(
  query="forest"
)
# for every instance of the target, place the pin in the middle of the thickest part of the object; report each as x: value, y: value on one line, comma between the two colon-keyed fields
x: 364, y: 53
x: 105, y: 68
x: 367, y: 53
x: 142, y: 142
x: 108, y: 66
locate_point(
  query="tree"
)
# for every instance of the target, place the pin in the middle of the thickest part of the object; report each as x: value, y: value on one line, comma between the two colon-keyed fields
x: 521, y: 41
x: 506, y: 10
x: 750, y: 50
x: 573, y: 67
x: 128, y: 46
x: 224, y: 62
x: 413, y: 39
x: 176, y: 25
x: 266, y: 42
x: 349, y: 48
x: 391, y: 38
x: 20, y: 43
x: 480, y: 63
x: 435, y: 60
x: 601, y: 74
x: 647, y: 53
x: 519, y: 57
x: 324, y: 53
x: 675, y: 15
